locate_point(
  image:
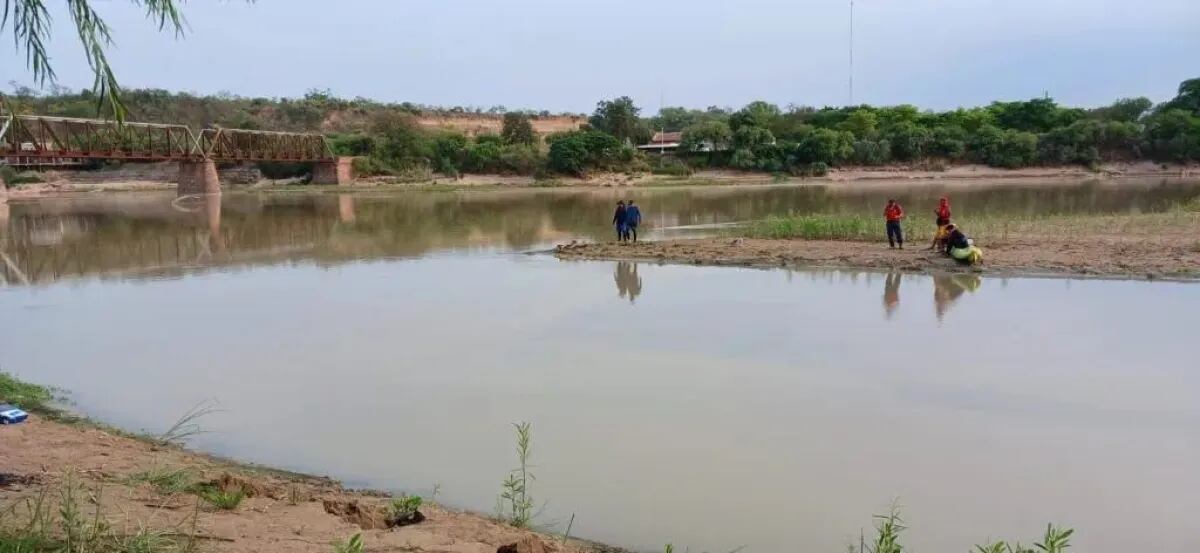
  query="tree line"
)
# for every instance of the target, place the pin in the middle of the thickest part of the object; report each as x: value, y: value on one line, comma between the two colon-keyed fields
x: 761, y: 136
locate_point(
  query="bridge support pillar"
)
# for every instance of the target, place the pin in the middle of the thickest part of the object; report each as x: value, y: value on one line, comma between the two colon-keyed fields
x: 198, y: 177
x: 3, y: 191
x: 339, y: 171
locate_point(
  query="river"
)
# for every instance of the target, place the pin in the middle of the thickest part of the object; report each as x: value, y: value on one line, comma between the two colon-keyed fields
x: 390, y: 340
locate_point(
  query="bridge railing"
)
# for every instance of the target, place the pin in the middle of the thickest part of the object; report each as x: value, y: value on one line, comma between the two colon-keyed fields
x: 251, y: 145
x: 41, y: 139
x: 37, y: 136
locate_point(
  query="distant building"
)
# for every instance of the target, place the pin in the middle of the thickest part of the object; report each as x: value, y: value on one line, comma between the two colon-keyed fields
x: 663, y: 142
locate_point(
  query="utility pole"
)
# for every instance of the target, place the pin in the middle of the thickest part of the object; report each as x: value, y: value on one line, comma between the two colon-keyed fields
x: 662, y: 126
x: 851, y: 53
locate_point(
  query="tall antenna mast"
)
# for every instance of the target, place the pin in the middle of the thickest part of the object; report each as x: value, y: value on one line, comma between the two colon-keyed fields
x: 662, y: 124
x: 851, y: 53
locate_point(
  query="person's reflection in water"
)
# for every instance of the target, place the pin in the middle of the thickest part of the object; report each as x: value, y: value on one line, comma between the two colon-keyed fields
x: 629, y: 283
x: 891, y: 294
x: 948, y: 288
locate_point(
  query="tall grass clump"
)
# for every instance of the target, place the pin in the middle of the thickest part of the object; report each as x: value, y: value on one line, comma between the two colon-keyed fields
x: 816, y: 227
x: 29, y: 397
x: 223, y: 499
x: 167, y: 481
x: 70, y: 518
x: 352, y: 545
x: 1055, y: 540
x: 516, y: 503
x: 188, y: 425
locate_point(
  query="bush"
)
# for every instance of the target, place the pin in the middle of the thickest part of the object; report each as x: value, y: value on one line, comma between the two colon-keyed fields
x: 13, y: 178
x: 908, y: 140
x: 578, y: 152
x: 949, y: 142
x: 351, y: 144
x: 1004, y: 148
x: 520, y: 159
x: 826, y: 146
x: 369, y: 166
x: 672, y: 167
x: 872, y: 152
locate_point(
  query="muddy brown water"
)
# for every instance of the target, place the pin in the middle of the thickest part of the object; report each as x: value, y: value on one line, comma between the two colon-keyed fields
x: 390, y: 339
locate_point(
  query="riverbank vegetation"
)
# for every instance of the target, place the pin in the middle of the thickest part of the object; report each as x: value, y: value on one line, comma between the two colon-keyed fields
x: 390, y: 139
x: 996, y: 228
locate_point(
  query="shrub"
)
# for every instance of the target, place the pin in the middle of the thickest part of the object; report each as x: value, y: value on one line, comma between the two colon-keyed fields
x: 517, y: 129
x: 908, y: 140
x: 671, y: 166
x: 872, y: 152
x: 351, y: 144
x: 404, y: 511
x: 226, y: 500
x: 577, y: 152
x: 369, y: 166
x: 1004, y: 148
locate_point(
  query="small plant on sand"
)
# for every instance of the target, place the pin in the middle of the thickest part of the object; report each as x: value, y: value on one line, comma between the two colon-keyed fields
x: 887, y: 532
x: 404, y: 510
x: 166, y: 480
x: 514, y: 493
x: 352, y: 545
x: 226, y: 500
x: 1055, y: 540
x: 187, y: 426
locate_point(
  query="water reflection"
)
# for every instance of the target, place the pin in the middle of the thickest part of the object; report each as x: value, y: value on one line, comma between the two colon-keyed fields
x: 948, y: 288
x: 135, y: 236
x: 629, y: 283
x: 891, y: 294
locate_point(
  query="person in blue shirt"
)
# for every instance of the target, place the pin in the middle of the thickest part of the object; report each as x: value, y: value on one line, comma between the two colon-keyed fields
x: 633, y: 217
x: 620, y: 220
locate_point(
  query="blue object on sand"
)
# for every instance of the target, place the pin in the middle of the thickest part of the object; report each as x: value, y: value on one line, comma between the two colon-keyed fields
x: 9, y: 414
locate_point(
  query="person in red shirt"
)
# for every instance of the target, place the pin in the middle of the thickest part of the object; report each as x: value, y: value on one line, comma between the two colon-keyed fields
x: 893, y: 213
x: 942, y: 218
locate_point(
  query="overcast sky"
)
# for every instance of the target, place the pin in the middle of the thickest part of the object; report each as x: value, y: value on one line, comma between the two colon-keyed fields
x: 564, y: 55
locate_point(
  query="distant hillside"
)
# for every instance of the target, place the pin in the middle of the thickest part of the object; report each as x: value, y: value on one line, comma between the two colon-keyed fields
x: 316, y: 111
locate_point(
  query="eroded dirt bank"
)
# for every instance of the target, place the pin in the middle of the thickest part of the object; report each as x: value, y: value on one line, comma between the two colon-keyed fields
x: 1173, y: 254
x: 281, y: 513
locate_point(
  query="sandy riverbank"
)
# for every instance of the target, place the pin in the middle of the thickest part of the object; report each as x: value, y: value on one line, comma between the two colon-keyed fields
x: 1149, y: 246
x: 282, y: 512
x: 160, y: 176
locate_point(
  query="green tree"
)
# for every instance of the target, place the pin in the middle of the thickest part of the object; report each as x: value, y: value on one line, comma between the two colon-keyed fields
x: 574, y: 153
x: 1174, y: 134
x: 517, y: 129
x: 1004, y: 147
x: 864, y: 123
x: 678, y: 118
x: 618, y: 118
x: 1188, y: 98
x: 949, y: 142
x: 400, y: 143
x: 31, y: 29
x: 755, y: 114
x: 825, y: 146
x: 709, y: 136
x: 749, y: 137
x: 1037, y: 115
x: 908, y: 140
x: 1125, y: 109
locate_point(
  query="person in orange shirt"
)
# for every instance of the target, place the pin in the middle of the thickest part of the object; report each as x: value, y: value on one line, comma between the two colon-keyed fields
x: 893, y: 213
x: 942, y: 218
